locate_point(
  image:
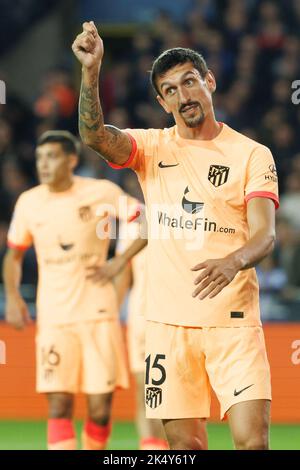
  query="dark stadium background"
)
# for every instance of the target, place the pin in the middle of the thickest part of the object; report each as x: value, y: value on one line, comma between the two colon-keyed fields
x: 253, y: 48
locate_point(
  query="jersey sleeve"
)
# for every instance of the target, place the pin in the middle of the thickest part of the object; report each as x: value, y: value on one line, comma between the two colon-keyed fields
x: 261, y: 177
x: 143, y: 142
x: 19, y: 235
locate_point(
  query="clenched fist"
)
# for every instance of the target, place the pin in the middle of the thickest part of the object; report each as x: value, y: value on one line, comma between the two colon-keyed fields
x: 88, y: 46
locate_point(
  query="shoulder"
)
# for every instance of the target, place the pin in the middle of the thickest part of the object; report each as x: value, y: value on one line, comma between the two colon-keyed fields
x: 32, y: 196
x: 151, y: 137
x: 96, y: 186
x: 111, y: 189
x: 239, y: 139
x: 86, y: 184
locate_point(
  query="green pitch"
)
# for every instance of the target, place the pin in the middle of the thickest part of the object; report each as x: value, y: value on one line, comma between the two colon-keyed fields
x: 17, y: 435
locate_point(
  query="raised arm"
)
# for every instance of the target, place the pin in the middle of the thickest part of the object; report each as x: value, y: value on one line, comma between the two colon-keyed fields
x: 108, y: 141
x: 16, y: 311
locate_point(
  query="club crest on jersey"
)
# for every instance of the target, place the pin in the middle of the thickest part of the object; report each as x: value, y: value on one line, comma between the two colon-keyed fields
x: 153, y: 397
x: 218, y: 174
x: 85, y: 213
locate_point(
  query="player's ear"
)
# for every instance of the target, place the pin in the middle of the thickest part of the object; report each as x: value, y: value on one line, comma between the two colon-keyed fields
x: 73, y: 161
x: 210, y: 81
x: 163, y: 103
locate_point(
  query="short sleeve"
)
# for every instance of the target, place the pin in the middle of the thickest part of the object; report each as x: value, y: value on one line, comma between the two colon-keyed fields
x: 261, y: 177
x: 19, y: 235
x: 143, y: 141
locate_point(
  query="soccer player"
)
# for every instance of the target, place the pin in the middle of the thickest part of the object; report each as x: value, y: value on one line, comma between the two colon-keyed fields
x: 151, y: 434
x: 210, y: 195
x: 79, y: 340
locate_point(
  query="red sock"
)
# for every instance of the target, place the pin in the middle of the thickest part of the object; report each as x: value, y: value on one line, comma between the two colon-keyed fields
x: 95, y: 437
x: 153, y: 443
x: 61, y: 434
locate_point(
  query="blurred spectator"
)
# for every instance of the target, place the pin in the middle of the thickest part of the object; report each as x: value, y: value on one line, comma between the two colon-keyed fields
x: 271, y: 31
x: 284, y: 147
x: 290, y: 201
x: 272, y: 280
x: 58, y: 100
x: 58, y: 96
x: 13, y: 183
x: 115, y: 86
x: 6, y: 142
x: 203, y: 9
x: 288, y: 239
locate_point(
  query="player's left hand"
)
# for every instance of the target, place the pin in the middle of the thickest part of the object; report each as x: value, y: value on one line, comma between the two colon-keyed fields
x: 106, y: 272
x: 216, y: 274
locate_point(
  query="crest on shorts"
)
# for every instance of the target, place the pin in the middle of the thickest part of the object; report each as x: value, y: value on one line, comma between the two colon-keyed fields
x: 218, y: 174
x: 48, y: 374
x: 153, y: 397
x: 85, y: 213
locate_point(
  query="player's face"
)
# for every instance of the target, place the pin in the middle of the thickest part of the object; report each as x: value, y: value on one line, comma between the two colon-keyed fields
x: 53, y: 165
x: 186, y: 94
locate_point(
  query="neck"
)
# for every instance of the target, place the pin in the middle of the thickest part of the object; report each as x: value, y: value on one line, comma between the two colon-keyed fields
x: 207, y: 130
x: 61, y: 186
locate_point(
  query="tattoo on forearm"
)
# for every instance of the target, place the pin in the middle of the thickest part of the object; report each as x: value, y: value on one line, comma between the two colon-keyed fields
x: 108, y: 141
x: 90, y: 112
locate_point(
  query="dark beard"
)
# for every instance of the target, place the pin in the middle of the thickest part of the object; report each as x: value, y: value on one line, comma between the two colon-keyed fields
x: 196, y: 121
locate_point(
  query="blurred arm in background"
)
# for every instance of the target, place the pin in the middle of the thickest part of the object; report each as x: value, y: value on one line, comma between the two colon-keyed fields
x: 16, y: 310
x: 123, y: 282
x: 115, y: 266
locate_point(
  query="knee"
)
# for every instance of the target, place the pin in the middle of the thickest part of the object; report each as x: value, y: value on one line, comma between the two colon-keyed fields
x: 253, y: 443
x: 61, y: 407
x: 99, y: 409
x: 186, y: 443
x: 100, y: 415
x: 101, y: 419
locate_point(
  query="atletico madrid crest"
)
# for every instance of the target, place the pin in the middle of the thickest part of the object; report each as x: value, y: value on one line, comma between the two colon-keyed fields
x: 153, y: 396
x: 218, y: 174
x: 85, y: 213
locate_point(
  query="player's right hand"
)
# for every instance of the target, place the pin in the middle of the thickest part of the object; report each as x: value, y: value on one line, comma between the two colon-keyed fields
x: 106, y: 272
x: 17, y: 313
x: 88, y: 46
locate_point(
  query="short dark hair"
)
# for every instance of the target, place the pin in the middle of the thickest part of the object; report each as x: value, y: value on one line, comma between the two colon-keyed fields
x: 68, y: 141
x: 172, y: 57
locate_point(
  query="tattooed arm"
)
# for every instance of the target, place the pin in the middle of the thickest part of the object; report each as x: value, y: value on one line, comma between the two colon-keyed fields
x: 111, y: 143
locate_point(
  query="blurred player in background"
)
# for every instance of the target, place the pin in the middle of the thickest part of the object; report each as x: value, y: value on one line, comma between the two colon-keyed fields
x: 79, y: 342
x: 210, y: 194
x: 151, y: 433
